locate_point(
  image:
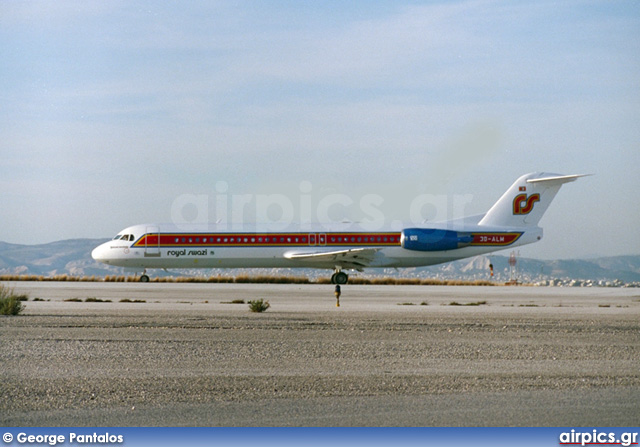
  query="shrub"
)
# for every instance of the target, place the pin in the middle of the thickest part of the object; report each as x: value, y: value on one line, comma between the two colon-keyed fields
x: 10, y: 303
x: 258, y: 305
x: 475, y: 303
x: 93, y: 299
x: 10, y: 306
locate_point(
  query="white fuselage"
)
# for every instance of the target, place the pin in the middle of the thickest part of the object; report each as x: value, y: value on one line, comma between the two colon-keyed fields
x: 165, y: 246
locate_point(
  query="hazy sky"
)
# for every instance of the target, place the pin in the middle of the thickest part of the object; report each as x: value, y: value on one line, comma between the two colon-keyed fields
x: 117, y: 113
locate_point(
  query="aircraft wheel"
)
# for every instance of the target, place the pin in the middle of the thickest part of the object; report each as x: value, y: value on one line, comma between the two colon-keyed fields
x: 341, y: 278
x: 144, y: 278
x: 333, y: 279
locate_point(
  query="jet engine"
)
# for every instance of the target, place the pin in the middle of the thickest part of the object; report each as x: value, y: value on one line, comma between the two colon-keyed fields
x: 425, y: 239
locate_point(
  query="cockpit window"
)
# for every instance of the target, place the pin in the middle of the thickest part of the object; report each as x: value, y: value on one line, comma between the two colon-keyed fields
x: 124, y: 237
x: 116, y: 237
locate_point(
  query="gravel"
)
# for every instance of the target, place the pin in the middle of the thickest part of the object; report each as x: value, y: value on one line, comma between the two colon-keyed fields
x: 171, y: 362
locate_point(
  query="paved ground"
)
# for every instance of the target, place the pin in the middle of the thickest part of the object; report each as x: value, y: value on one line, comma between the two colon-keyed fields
x: 519, y: 356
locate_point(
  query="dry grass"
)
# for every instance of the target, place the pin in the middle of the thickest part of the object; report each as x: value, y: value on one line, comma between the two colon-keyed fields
x: 413, y: 282
x: 264, y: 279
x: 258, y: 279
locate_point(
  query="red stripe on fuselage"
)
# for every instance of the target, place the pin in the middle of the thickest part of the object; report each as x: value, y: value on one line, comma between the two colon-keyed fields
x: 268, y: 239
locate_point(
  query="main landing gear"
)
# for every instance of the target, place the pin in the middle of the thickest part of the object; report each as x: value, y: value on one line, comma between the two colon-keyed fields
x: 339, y: 277
x: 144, y: 277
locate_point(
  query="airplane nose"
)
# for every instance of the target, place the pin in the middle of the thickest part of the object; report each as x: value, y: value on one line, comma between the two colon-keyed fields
x: 99, y: 253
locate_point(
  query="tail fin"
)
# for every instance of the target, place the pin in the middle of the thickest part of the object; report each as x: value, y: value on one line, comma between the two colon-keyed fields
x: 526, y: 201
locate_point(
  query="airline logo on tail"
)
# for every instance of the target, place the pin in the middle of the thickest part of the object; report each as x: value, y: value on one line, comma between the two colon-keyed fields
x: 523, y: 204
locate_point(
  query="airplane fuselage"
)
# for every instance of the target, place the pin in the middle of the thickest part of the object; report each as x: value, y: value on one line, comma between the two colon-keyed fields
x: 512, y: 221
x: 164, y: 247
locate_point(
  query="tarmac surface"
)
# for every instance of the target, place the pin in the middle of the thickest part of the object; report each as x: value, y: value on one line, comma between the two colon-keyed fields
x: 388, y: 356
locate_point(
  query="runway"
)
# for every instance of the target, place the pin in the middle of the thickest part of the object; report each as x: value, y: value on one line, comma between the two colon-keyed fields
x: 388, y: 356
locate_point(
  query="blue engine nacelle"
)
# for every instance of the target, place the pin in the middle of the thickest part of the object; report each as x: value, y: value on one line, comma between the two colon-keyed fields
x: 424, y: 239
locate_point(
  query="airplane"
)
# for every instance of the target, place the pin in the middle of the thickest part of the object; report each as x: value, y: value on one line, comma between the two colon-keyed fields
x: 512, y: 221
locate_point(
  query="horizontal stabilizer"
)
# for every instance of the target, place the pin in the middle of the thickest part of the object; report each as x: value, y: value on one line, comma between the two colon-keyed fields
x: 558, y: 179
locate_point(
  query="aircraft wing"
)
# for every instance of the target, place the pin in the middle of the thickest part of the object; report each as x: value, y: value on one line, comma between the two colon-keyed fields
x: 355, y: 258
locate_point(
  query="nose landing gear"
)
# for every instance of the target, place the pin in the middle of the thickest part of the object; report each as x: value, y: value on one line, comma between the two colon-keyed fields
x: 144, y: 277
